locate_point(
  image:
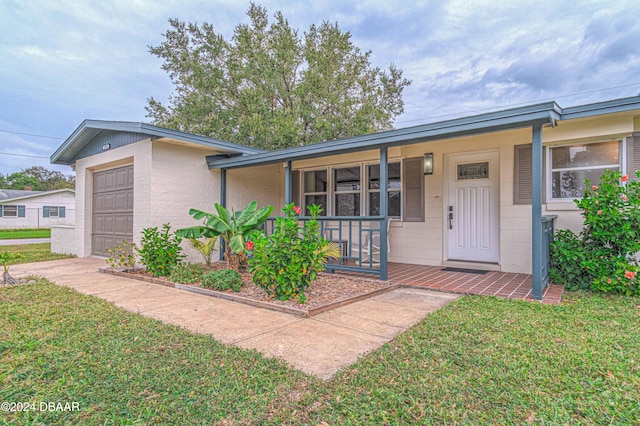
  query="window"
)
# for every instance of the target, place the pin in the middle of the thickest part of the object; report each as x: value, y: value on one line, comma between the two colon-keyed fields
x: 53, y: 211
x: 12, y: 211
x: 394, y: 188
x: 315, y: 190
x: 347, y: 191
x: 572, y: 164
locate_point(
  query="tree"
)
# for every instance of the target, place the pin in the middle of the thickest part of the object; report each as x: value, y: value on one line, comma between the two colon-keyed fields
x: 38, y: 179
x: 270, y: 88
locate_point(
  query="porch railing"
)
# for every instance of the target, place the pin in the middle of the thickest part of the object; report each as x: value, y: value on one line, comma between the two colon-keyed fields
x: 548, y: 230
x: 359, y: 237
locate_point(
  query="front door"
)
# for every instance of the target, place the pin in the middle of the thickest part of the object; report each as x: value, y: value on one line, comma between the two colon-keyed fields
x: 472, y: 211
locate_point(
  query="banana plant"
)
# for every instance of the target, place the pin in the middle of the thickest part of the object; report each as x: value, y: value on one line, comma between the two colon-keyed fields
x: 205, y: 248
x: 235, y: 228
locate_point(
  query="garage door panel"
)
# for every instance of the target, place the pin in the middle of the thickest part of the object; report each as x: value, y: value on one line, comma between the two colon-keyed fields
x: 112, y: 208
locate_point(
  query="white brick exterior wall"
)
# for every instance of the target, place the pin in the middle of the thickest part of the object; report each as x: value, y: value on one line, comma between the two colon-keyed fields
x: 63, y: 240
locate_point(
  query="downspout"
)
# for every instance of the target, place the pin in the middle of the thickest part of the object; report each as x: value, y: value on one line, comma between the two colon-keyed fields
x: 223, y: 203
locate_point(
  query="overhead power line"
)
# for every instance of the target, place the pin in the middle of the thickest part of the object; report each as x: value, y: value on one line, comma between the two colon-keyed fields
x: 30, y: 134
x: 22, y: 155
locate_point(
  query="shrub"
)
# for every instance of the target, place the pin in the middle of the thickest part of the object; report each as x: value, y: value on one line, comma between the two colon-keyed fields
x: 123, y: 255
x: 286, y: 262
x: 187, y: 273
x: 224, y: 279
x: 160, y: 251
x: 603, y: 256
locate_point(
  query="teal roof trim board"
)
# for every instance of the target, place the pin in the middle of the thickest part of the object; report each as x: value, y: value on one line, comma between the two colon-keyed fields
x: 543, y: 114
x: 121, y: 133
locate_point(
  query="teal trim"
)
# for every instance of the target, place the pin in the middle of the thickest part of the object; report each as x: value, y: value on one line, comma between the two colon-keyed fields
x: 45, y: 211
x: 0, y: 210
x: 384, y: 209
x: 484, y: 123
x: 223, y: 203
x: 287, y: 183
x: 21, y: 211
x: 536, y: 214
x: 89, y: 130
x: 61, y: 211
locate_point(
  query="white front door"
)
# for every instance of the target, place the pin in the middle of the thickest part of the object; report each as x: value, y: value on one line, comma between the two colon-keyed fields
x: 472, y: 211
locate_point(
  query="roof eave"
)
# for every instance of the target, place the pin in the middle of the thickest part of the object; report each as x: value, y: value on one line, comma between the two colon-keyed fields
x: 91, y: 127
x: 546, y: 113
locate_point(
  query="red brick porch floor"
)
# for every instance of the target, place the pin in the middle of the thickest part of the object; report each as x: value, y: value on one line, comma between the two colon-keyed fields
x: 499, y: 284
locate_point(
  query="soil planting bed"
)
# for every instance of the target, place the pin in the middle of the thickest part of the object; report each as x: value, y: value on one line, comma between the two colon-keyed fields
x: 329, y: 291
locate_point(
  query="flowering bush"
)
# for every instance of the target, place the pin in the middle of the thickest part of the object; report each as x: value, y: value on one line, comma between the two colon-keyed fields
x: 286, y: 262
x: 603, y: 256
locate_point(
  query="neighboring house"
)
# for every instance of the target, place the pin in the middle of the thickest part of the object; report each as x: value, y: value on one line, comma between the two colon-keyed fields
x: 465, y: 192
x: 36, y: 209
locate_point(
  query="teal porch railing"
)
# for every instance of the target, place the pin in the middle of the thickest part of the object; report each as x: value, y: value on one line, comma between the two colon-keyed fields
x: 363, y: 240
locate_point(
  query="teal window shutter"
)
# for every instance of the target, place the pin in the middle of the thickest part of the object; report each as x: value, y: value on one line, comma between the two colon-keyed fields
x: 45, y: 211
x: 20, y: 211
x: 61, y: 211
x: 0, y: 210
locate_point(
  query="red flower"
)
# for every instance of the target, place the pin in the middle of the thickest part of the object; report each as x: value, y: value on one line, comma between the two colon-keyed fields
x: 624, y: 197
x: 594, y: 187
x: 608, y: 280
x: 624, y: 178
x: 250, y: 245
x: 297, y: 209
x: 629, y: 274
x: 599, y: 211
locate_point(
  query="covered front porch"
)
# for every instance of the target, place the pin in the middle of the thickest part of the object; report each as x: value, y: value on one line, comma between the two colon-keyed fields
x: 357, y: 178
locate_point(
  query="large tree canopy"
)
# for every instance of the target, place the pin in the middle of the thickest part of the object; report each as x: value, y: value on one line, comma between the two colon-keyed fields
x: 37, y: 178
x: 270, y: 88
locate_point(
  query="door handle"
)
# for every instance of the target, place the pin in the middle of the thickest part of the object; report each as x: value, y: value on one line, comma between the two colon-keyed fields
x: 450, y: 217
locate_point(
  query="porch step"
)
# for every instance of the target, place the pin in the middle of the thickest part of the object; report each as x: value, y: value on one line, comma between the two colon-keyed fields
x: 483, y: 266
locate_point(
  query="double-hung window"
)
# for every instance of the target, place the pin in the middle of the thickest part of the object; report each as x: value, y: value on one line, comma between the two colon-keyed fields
x: 10, y: 211
x: 315, y: 190
x: 346, y: 186
x: 572, y: 164
x: 394, y: 190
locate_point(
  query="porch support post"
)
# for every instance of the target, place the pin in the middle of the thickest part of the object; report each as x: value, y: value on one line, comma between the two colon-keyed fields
x: 287, y: 183
x: 536, y: 213
x: 223, y: 203
x: 384, y: 209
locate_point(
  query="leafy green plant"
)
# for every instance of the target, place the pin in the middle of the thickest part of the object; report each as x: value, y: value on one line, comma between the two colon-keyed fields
x: 205, y: 248
x: 187, y: 273
x: 160, y: 251
x: 7, y: 259
x: 123, y: 255
x: 224, y: 279
x: 286, y: 262
x: 235, y: 228
x: 603, y: 256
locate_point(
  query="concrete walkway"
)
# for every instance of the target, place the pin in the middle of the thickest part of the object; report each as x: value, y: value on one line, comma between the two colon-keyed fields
x: 319, y: 345
x: 24, y: 241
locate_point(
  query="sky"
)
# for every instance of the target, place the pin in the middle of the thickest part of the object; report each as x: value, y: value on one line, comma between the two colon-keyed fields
x: 64, y: 61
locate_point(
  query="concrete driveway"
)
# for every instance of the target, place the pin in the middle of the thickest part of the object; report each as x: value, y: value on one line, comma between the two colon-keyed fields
x: 320, y: 345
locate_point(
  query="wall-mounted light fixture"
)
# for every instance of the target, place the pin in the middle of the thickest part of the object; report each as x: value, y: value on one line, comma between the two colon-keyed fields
x: 428, y: 163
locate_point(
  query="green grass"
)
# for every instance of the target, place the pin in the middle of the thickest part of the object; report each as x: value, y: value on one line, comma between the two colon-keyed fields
x: 15, y: 234
x: 480, y: 360
x: 34, y: 252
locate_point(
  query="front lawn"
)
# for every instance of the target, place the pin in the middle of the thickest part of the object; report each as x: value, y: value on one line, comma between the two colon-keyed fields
x: 15, y: 234
x: 34, y: 252
x: 480, y: 360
